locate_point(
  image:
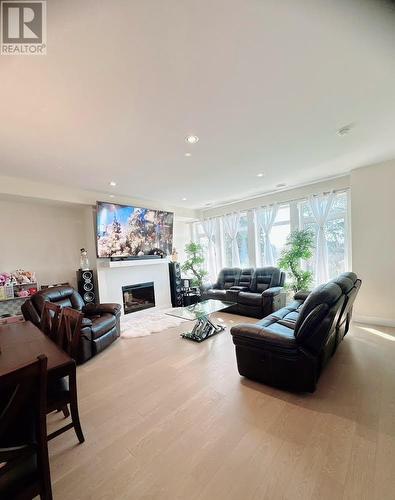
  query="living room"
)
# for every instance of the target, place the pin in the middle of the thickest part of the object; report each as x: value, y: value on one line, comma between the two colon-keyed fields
x: 196, y: 266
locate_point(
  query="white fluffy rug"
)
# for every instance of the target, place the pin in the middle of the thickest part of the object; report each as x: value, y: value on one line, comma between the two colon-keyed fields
x: 145, y: 323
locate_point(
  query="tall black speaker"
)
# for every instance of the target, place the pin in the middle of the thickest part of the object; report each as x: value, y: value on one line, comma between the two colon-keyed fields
x: 86, y: 286
x: 175, y: 284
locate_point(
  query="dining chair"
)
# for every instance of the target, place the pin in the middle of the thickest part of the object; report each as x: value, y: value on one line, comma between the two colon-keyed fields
x: 49, y: 325
x: 63, y: 392
x: 50, y: 320
x: 70, y: 331
x: 24, y: 463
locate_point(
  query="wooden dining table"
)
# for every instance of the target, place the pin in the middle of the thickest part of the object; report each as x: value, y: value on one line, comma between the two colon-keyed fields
x: 21, y: 343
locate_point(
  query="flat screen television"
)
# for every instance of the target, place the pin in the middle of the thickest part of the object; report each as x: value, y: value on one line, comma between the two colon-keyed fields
x: 126, y: 231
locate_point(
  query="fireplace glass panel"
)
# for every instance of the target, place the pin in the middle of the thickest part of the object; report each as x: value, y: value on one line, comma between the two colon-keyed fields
x: 138, y: 297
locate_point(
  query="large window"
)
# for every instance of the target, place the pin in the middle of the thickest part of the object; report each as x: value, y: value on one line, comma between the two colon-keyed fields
x: 290, y: 216
x: 242, y: 243
x: 278, y: 235
x: 335, y: 233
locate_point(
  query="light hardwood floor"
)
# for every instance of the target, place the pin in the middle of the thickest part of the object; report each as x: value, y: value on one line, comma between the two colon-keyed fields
x: 166, y: 418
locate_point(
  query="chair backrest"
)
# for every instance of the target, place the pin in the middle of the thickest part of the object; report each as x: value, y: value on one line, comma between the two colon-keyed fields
x: 24, y: 402
x: 350, y: 285
x: 245, y: 277
x: 50, y: 320
x: 319, y: 316
x: 228, y: 277
x: 64, y: 296
x: 264, y: 278
x: 70, y: 331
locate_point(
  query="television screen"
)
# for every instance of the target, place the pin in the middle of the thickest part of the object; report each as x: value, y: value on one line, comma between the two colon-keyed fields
x: 124, y: 231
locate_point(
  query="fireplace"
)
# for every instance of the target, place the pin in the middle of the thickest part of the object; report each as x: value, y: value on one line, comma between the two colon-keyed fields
x: 138, y: 297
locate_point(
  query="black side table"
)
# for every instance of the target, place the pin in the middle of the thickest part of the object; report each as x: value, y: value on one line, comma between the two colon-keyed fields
x: 190, y: 298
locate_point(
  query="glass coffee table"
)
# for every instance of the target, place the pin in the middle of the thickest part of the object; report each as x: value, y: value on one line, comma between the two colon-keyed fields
x: 204, y: 327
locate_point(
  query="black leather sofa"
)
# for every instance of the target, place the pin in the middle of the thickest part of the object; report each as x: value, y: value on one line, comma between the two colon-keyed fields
x: 290, y: 347
x: 100, y: 325
x: 256, y: 292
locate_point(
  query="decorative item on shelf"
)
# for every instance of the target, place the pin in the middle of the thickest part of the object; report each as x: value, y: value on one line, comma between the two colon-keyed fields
x: 18, y: 284
x: 140, y: 254
x: 5, y: 279
x: 84, y: 261
x: 174, y: 255
x: 21, y: 277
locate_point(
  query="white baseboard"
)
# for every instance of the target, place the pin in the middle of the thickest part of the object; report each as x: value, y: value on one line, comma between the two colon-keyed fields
x: 372, y: 320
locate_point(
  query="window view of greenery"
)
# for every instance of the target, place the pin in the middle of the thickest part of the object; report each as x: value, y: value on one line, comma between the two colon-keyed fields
x: 335, y: 234
x: 279, y: 233
x: 242, y: 243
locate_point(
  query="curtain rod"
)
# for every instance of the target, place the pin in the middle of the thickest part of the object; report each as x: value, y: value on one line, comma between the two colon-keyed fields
x: 285, y: 202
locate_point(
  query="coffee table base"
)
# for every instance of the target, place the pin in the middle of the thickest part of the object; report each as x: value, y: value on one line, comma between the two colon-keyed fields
x: 203, y: 329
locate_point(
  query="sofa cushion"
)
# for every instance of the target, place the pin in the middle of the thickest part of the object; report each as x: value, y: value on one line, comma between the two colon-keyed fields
x: 102, y: 324
x: 245, y: 278
x: 328, y: 294
x: 215, y: 294
x: 276, y: 335
x: 228, y: 277
x: 264, y: 278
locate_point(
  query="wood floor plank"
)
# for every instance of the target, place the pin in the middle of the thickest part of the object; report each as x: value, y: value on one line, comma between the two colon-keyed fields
x: 166, y: 418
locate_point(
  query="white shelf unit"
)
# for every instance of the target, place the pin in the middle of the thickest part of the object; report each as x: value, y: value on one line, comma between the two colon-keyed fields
x: 20, y: 285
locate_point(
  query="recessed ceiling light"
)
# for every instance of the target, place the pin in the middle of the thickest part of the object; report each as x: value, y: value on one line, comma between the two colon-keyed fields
x: 184, y: 199
x: 259, y: 175
x: 188, y: 154
x: 112, y: 195
x: 191, y: 139
x: 113, y: 183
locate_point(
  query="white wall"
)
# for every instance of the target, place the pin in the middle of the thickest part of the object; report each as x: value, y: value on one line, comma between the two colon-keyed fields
x: 46, y: 237
x: 373, y: 241
x: 41, y: 237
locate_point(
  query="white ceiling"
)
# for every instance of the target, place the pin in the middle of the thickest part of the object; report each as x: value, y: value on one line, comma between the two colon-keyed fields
x: 264, y: 84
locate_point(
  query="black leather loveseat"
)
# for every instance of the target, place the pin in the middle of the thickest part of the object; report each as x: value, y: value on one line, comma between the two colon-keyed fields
x: 256, y: 292
x: 290, y: 347
x: 100, y: 325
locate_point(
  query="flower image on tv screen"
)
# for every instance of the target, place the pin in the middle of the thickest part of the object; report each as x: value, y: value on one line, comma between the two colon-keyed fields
x: 125, y: 231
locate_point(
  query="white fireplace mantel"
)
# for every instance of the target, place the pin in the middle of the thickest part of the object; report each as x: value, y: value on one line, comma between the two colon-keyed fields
x: 113, y: 275
x: 134, y: 263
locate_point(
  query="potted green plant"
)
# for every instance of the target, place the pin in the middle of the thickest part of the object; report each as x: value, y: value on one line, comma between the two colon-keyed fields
x: 193, y: 266
x: 299, y: 247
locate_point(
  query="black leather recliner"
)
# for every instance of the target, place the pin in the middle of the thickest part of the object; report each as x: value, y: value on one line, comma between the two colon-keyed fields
x: 290, y: 347
x: 100, y: 325
x: 256, y: 292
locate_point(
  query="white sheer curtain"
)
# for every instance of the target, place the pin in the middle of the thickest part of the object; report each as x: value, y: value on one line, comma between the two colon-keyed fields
x: 321, y: 206
x: 231, y: 227
x: 265, y: 217
x: 210, y: 229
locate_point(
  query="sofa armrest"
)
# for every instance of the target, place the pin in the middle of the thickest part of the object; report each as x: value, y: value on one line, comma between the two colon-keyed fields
x: 270, y: 292
x: 86, y: 322
x: 301, y: 295
x: 97, y: 309
x: 250, y: 330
